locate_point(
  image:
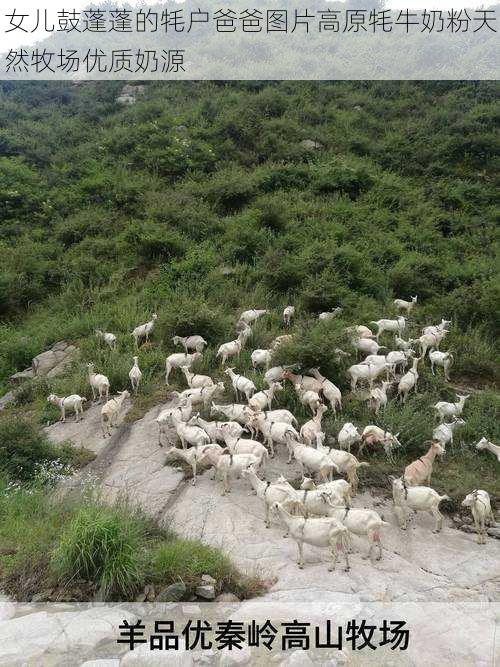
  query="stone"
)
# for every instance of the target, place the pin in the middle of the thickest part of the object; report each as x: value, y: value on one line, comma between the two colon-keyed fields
x: 104, y: 662
x: 22, y: 376
x: 494, y: 532
x: 149, y: 591
x: 206, y: 591
x: 207, y: 657
x: 227, y: 597
x: 53, y: 362
x: 191, y: 610
x: 235, y: 657
x: 298, y: 658
x: 126, y: 99
x: 207, y: 579
x: 173, y: 593
x: 6, y: 399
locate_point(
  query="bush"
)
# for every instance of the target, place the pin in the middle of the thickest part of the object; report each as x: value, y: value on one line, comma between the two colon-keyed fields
x: 104, y: 545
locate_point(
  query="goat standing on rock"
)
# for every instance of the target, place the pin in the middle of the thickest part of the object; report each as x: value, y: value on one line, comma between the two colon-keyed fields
x: 480, y: 506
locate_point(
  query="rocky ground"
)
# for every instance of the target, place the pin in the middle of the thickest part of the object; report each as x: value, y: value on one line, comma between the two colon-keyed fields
x: 444, y: 582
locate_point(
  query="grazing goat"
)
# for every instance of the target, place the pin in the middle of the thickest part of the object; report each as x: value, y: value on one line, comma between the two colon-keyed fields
x: 234, y: 411
x: 304, y: 382
x: 444, y: 359
x: 417, y: 498
x: 196, y: 343
x: 268, y: 492
x: 110, y: 411
x: 330, y: 391
x: 484, y: 443
x: 480, y: 506
x: 232, y: 465
x: 319, y: 532
x: 360, y: 331
x: 408, y: 381
x: 263, y: 399
x: 446, y: 410
x: 241, y: 384
x: 193, y: 456
x: 363, y: 523
x: 394, y: 326
x: 195, y: 380
x: 374, y: 435
x: 309, y: 399
x: 365, y: 371
x: 143, y: 330
x: 348, y: 436
x: 261, y: 358
x: 378, y: 397
x: 339, y: 488
x: 277, y: 432
x: 231, y: 349
x: 347, y: 464
x: 406, y: 306
x: 98, y: 383
x: 135, y: 375
x: 249, y: 316
x: 192, y: 435
x: 73, y: 402
x: 178, y: 360
x: 419, y: 472
x: 182, y: 411
x: 203, y: 395
x: 107, y: 337
x: 396, y: 359
x: 367, y: 345
x: 310, y: 429
x: 444, y: 432
x: 330, y: 314
x: 403, y: 344
x: 288, y: 313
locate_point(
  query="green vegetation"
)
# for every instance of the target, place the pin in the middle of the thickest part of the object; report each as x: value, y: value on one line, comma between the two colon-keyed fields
x: 202, y: 199
x: 79, y: 549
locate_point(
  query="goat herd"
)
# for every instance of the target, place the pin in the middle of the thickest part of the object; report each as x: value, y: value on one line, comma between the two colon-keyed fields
x: 319, y: 514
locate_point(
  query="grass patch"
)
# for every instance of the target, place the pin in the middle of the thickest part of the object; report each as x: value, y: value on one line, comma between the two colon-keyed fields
x: 77, y: 548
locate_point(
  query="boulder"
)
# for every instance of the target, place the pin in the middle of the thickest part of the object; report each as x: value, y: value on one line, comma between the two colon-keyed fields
x: 173, y: 593
x: 227, y: 597
x: 6, y: 399
x: 53, y: 361
x: 235, y: 657
x: 206, y: 591
x: 22, y: 376
x: 207, y: 579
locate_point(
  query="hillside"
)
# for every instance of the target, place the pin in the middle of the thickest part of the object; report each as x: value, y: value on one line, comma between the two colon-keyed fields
x: 203, y: 199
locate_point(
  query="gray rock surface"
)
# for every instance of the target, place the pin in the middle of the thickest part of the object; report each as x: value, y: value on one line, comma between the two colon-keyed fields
x: 53, y: 362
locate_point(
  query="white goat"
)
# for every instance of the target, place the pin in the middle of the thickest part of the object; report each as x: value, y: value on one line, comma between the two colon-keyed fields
x: 417, y: 498
x: 215, y: 430
x: 364, y: 523
x: 98, y: 383
x: 203, y: 395
x: 330, y: 314
x: 480, y: 506
x: 406, y: 306
x: 398, y: 358
x: 249, y: 316
x: 183, y: 411
x: 108, y: 337
x: 194, y: 456
x: 74, y: 403
x: 445, y: 410
x: 367, y: 345
x: 288, y: 313
x: 403, y: 344
x: 444, y: 432
x: 280, y: 433
x: 330, y: 391
x: 195, y: 342
x: 238, y: 445
x: 110, y: 411
x: 319, y: 532
x: 484, y: 443
x: 394, y: 326
x: 310, y: 429
x: 360, y: 331
x: 444, y: 359
x: 348, y: 436
x: 178, y: 360
x: 263, y: 399
x: 241, y: 384
x: 313, y: 460
x: 374, y: 435
x: 347, y: 464
x: 409, y: 381
x: 189, y: 434
x: 233, y: 465
x: 135, y: 375
x: 261, y: 358
x: 365, y: 371
x: 268, y: 492
x: 378, y: 397
x: 143, y: 330
x: 195, y: 380
x: 231, y: 349
x: 339, y: 488
x: 234, y: 411
x: 442, y: 327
